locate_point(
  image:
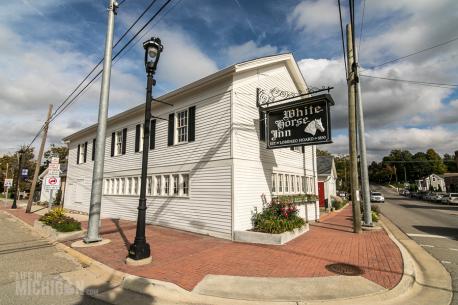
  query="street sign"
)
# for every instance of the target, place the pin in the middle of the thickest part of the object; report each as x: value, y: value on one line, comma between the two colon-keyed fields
x: 302, y: 122
x: 53, y: 173
x: 52, y: 183
x: 8, y: 183
x: 24, y: 173
x: 54, y: 160
x: 54, y: 166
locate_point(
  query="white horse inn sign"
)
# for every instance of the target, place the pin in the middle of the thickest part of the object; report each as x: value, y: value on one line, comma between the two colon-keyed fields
x: 302, y: 122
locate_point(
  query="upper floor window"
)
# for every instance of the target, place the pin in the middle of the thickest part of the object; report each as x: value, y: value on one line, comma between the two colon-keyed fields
x: 182, y: 126
x: 81, y: 153
x: 118, y: 143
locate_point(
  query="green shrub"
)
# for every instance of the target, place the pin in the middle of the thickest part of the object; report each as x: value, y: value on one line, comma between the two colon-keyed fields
x: 375, y: 216
x: 56, y: 219
x: 375, y: 208
x: 279, y: 216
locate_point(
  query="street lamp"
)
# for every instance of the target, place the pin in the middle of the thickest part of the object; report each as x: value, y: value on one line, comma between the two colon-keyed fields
x: 16, y: 191
x: 140, y: 249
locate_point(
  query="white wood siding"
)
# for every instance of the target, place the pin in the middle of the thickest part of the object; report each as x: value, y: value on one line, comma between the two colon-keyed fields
x: 253, y: 163
x: 207, y: 210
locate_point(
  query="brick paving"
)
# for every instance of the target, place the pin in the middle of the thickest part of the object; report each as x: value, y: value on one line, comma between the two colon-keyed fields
x: 186, y: 258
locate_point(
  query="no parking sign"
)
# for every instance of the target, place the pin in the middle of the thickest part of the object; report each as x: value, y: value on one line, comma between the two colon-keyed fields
x: 52, y: 183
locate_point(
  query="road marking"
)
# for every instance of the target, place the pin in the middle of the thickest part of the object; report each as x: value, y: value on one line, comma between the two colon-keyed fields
x: 446, y: 262
x: 427, y: 246
x: 426, y: 235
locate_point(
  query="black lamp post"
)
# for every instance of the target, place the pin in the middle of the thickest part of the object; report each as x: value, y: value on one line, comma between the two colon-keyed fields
x: 140, y: 249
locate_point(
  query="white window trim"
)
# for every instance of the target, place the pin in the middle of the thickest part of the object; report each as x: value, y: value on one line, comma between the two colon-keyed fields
x: 81, y: 155
x: 176, y: 133
x: 140, y: 142
x: 116, y: 153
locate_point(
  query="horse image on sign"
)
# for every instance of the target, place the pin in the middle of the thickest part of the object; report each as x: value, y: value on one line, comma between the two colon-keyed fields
x: 313, y: 126
x: 301, y: 122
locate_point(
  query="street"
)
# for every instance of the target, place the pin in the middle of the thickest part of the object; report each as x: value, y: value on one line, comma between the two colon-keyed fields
x: 433, y: 226
x: 30, y: 269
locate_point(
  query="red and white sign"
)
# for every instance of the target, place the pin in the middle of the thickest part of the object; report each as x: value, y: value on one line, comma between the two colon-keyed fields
x: 52, y: 183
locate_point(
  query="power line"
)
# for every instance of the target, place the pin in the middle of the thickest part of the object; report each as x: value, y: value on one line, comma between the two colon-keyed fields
x: 69, y: 102
x: 94, y: 68
x: 343, y: 41
x: 114, y: 57
x: 441, y: 85
x: 362, y: 26
x: 412, y: 54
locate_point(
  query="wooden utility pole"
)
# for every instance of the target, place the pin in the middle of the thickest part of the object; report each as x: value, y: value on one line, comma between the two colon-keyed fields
x: 352, y: 133
x: 39, y: 157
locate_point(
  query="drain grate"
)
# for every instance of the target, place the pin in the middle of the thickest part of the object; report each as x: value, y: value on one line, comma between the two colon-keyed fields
x: 344, y: 269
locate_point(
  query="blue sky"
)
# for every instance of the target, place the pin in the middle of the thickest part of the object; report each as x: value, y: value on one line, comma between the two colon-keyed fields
x: 49, y: 45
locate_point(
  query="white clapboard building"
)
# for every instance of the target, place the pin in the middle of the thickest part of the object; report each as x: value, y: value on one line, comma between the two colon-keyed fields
x: 208, y: 164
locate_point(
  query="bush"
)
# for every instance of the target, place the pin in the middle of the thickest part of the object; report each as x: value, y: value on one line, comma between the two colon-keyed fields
x: 57, y: 219
x: 375, y: 216
x: 375, y: 208
x: 278, y: 217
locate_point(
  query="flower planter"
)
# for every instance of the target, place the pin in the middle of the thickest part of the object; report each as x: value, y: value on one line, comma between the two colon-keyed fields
x: 53, y: 234
x: 269, y: 239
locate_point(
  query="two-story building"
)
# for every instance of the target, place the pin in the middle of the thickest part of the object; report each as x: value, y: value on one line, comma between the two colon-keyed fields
x: 208, y: 166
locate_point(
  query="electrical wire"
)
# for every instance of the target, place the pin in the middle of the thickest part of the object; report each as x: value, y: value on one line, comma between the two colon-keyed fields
x: 59, y: 109
x: 440, y: 85
x: 343, y: 41
x: 114, y: 57
x: 412, y: 54
x: 94, y: 68
x: 361, y: 28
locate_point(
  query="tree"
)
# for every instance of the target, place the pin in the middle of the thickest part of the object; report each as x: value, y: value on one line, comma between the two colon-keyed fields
x: 323, y: 153
x: 27, y: 163
x: 56, y: 151
x: 437, y: 163
x: 450, y: 163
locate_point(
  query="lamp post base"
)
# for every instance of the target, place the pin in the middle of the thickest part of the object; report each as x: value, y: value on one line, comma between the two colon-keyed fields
x: 139, y: 251
x: 140, y: 262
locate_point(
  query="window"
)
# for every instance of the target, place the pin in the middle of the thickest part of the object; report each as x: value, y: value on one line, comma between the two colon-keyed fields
x: 274, y: 183
x: 140, y: 139
x: 121, y: 186
x: 182, y: 126
x: 298, y: 184
x: 185, y: 178
x: 149, y: 185
x: 286, y: 183
x: 280, y: 183
x: 135, y: 185
x: 110, y: 189
x: 129, y: 186
x: 81, y: 153
x: 293, y: 184
x: 166, y: 185
x: 118, y: 143
x: 158, y: 190
x: 175, y: 184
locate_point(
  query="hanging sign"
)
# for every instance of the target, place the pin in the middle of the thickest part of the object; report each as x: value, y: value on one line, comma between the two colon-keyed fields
x: 52, y: 183
x: 302, y: 122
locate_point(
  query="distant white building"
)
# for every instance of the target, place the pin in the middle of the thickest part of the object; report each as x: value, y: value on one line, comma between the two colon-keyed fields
x: 208, y: 164
x: 434, y: 181
x: 327, y: 176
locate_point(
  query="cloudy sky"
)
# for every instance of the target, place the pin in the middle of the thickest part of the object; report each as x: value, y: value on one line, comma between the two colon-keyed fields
x: 48, y: 46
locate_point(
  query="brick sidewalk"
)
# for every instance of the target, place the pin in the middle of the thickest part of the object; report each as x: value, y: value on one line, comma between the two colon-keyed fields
x: 185, y: 258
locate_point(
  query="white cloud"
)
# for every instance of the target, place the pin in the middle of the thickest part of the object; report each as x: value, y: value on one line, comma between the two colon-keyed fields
x: 315, y: 17
x: 380, y: 142
x: 248, y: 50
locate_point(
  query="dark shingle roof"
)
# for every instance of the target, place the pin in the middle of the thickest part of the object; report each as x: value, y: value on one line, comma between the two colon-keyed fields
x: 324, y: 165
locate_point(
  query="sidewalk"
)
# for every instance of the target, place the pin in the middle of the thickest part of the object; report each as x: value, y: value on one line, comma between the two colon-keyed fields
x: 185, y: 258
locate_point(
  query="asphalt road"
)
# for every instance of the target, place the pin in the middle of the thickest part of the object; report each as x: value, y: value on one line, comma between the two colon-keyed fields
x: 433, y: 226
x: 30, y: 269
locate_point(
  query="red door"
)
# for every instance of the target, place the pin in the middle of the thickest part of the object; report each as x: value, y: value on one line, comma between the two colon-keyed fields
x: 321, y: 193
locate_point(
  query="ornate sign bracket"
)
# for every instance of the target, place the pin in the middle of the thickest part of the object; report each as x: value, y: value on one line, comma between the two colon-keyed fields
x: 275, y: 95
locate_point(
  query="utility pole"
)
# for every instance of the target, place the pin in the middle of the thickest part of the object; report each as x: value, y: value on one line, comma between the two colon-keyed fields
x: 97, y: 173
x: 18, y: 174
x: 362, y: 146
x: 6, y: 177
x: 351, y: 81
x: 39, y: 157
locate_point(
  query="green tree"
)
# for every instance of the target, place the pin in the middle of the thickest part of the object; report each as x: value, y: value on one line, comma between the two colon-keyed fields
x: 450, y: 163
x: 437, y: 163
x: 323, y: 153
x: 56, y: 151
